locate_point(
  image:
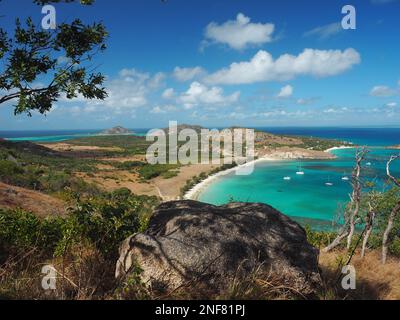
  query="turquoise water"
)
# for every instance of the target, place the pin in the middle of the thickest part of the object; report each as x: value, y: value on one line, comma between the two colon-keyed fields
x: 306, y: 198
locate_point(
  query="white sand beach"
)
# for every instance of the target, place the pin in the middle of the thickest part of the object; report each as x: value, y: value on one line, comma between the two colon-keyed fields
x: 194, y: 193
x: 339, y: 148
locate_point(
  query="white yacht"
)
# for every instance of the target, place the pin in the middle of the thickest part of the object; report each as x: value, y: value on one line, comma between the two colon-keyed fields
x: 300, y: 171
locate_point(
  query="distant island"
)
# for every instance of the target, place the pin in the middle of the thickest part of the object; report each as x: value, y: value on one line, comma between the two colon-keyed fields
x: 118, y: 130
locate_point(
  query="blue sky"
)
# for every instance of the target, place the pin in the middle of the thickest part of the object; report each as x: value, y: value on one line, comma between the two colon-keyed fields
x: 223, y: 62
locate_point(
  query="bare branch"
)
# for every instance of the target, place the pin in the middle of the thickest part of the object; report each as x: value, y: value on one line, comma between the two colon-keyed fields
x: 393, y: 213
x: 393, y: 179
x: 351, y: 213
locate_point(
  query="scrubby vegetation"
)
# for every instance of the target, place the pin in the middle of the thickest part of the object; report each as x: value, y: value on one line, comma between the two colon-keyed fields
x: 130, y: 145
x: 320, y: 144
x: 29, y: 166
x: 88, y: 237
x: 148, y: 171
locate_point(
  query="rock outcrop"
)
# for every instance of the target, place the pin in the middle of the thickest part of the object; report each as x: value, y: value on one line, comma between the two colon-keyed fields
x: 116, y: 131
x: 191, y: 242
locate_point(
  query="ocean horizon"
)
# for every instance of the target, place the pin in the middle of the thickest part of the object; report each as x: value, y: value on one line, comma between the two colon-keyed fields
x: 370, y: 136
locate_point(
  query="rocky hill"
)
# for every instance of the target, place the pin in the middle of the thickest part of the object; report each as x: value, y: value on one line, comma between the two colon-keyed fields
x: 116, y: 131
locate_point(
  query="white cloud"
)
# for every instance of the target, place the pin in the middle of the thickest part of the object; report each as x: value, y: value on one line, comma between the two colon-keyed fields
x: 163, y: 109
x: 286, y: 92
x: 129, y: 91
x: 157, y: 80
x: 199, y: 94
x: 186, y: 74
x: 336, y: 110
x: 168, y: 93
x: 391, y: 104
x: 63, y: 60
x: 240, y: 33
x: 306, y: 101
x: 262, y: 67
x: 383, y: 91
x: 283, y: 113
x: 157, y: 110
x: 324, y: 32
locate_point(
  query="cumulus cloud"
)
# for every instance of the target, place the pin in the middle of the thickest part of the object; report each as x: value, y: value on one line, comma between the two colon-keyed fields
x: 199, y: 94
x: 306, y: 101
x: 324, y: 32
x: 240, y: 33
x: 128, y: 91
x: 186, y: 74
x: 163, y: 109
x: 286, y: 92
x: 383, y: 91
x: 279, y: 113
x: 262, y: 67
x: 168, y: 93
x: 336, y: 110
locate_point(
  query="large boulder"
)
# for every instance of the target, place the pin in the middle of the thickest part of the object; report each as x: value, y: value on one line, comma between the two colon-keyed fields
x: 191, y: 242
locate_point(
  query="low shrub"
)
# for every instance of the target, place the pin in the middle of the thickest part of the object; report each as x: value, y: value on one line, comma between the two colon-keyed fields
x: 97, y: 225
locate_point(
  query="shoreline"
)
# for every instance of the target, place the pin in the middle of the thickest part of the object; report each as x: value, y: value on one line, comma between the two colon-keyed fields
x: 194, y: 193
x: 339, y: 148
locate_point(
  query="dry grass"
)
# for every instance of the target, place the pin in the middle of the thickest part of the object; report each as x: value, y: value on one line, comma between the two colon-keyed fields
x: 12, y: 197
x: 374, y: 280
x: 82, y: 274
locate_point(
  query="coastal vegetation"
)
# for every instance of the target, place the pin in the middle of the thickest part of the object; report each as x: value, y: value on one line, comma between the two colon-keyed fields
x: 83, y: 244
x: 37, y: 168
x: 264, y: 139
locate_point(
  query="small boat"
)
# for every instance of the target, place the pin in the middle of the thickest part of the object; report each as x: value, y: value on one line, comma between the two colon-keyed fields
x: 300, y: 172
x: 369, y: 164
x: 287, y: 178
x: 329, y: 184
x: 345, y: 178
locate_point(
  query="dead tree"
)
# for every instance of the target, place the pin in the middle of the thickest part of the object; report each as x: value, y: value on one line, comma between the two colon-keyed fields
x: 393, y: 213
x: 352, y: 211
x: 369, y: 223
